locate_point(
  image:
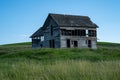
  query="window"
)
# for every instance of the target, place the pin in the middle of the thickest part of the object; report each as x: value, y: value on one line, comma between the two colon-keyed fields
x: 42, y: 38
x: 51, y: 30
x: 66, y: 32
x: 92, y: 33
x: 69, y: 33
x: 76, y: 32
x: 82, y: 33
x: 73, y: 32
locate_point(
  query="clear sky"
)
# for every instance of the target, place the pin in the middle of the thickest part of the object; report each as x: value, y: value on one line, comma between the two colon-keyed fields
x: 19, y: 19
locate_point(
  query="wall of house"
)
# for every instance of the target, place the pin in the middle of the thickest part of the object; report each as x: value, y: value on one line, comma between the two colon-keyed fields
x: 60, y: 41
x: 35, y: 42
x: 82, y: 41
x: 54, y: 36
x: 94, y: 44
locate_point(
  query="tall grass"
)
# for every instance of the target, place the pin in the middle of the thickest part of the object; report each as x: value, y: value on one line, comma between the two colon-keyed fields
x: 21, y: 62
x: 62, y: 70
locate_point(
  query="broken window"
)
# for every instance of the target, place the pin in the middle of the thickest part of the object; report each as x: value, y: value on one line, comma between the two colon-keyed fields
x: 73, y: 32
x: 76, y: 32
x: 68, y: 32
x: 92, y: 33
x: 51, y: 30
x: 62, y: 31
x: 82, y: 33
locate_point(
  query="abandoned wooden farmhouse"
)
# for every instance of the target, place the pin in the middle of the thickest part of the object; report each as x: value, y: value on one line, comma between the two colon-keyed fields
x: 66, y: 31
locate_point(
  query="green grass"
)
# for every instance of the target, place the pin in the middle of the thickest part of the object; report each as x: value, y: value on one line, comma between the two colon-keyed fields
x: 21, y: 62
x: 62, y: 70
x: 108, y: 45
x: 18, y: 44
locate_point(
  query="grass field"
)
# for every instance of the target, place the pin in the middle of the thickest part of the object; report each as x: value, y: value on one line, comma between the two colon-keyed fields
x: 20, y: 62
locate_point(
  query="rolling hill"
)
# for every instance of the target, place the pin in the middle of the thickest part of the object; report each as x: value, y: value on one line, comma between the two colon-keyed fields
x: 19, y: 61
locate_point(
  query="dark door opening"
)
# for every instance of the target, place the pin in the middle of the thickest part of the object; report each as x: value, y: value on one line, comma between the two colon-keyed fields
x: 75, y: 44
x: 68, y: 43
x: 89, y: 44
x: 52, y: 43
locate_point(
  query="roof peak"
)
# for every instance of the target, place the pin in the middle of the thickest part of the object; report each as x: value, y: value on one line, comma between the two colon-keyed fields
x: 68, y: 15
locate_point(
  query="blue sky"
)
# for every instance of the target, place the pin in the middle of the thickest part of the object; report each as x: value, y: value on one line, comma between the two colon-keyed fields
x: 21, y: 18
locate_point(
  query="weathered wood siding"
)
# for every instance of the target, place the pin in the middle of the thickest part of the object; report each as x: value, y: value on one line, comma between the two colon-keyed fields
x: 82, y: 40
x: 55, y: 36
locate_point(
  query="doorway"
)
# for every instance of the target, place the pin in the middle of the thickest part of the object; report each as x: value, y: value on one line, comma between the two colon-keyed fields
x: 89, y: 43
x: 52, y: 43
x: 68, y: 43
x: 75, y: 43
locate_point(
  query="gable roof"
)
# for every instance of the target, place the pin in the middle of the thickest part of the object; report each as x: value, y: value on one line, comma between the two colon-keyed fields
x: 39, y: 32
x: 66, y: 21
x: 73, y: 20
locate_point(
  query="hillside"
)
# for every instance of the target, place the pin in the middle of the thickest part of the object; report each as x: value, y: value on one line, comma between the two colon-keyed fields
x: 19, y: 61
x: 105, y: 51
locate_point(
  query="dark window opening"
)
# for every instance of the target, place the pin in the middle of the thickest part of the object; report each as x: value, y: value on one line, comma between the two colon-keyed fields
x: 73, y: 32
x: 79, y: 32
x: 63, y: 31
x: 52, y: 43
x: 76, y: 32
x: 51, y: 30
x: 92, y: 33
x: 75, y: 44
x: 82, y: 33
x: 69, y: 32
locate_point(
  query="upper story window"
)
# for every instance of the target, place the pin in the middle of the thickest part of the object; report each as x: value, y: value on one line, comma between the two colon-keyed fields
x: 73, y: 32
x: 82, y: 33
x: 92, y: 33
x: 51, y: 30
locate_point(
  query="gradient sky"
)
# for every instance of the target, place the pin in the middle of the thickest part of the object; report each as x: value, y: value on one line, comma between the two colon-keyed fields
x: 19, y: 19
